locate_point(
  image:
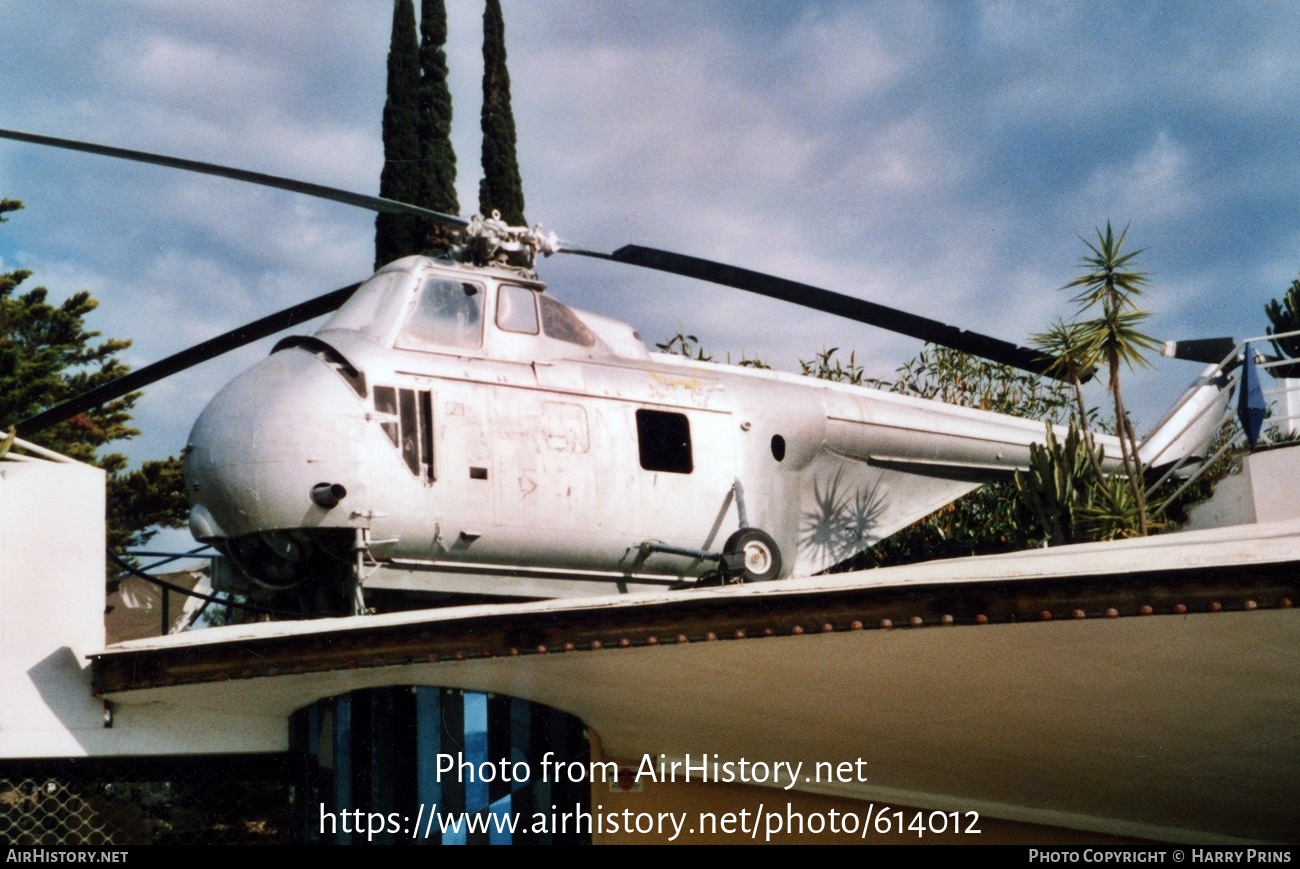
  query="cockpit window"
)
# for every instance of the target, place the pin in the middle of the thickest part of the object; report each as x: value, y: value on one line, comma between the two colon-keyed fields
x: 447, y: 314
x: 562, y: 324
x: 516, y: 309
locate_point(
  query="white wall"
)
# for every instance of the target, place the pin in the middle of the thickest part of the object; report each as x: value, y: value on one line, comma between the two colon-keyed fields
x: 51, y: 604
x: 52, y: 600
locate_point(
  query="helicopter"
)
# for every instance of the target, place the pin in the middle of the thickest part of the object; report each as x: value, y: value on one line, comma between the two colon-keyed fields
x: 453, y: 426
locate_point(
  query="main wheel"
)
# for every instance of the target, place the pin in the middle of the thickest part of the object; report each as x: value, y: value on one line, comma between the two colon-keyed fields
x: 762, y: 558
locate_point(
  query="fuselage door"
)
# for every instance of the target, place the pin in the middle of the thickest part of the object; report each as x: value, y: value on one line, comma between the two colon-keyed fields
x: 685, y: 463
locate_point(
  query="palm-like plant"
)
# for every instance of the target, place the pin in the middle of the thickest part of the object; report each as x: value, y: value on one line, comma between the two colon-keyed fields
x: 1113, y: 337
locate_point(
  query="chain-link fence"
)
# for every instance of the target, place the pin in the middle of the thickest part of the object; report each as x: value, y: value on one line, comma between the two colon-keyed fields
x: 135, y: 801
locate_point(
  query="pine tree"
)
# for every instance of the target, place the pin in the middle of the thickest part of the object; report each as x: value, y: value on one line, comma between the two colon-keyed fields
x: 501, y: 188
x: 438, y: 175
x: 399, y: 235
x: 47, y: 355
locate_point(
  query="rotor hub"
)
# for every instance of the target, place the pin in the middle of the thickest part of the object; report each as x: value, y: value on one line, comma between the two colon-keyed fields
x: 490, y: 240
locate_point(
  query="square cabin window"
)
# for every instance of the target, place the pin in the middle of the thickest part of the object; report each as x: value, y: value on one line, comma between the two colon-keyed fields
x: 516, y: 310
x: 665, y: 441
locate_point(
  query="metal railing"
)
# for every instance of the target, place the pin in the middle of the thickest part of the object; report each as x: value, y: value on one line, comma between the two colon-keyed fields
x: 1230, y: 367
x: 230, y: 601
x: 165, y: 588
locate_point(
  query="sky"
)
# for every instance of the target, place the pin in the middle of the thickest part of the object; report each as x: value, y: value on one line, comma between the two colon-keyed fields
x: 948, y: 158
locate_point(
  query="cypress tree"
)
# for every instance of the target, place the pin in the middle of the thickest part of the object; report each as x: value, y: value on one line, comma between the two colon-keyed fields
x: 398, y: 235
x: 438, y: 175
x: 501, y: 188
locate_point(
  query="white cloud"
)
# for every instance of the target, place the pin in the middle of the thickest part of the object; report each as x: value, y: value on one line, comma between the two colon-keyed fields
x: 838, y: 55
x: 167, y: 69
x: 1156, y: 185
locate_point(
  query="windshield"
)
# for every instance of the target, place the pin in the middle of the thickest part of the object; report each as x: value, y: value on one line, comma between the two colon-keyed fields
x: 447, y: 314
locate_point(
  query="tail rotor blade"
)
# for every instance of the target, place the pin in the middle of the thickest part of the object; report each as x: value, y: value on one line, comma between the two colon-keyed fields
x: 1208, y: 351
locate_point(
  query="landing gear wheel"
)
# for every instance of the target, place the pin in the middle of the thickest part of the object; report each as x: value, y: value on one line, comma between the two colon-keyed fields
x: 761, y: 559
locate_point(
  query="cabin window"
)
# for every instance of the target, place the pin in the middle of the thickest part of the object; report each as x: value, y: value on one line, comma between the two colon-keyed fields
x: 386, y: 405
x: 562, y: 324
x: 447, y: 314
x: 410, y: 430
x: 406, y: 416
x: 665, y: 441
x: 517, y: 310
x: 426, y: 435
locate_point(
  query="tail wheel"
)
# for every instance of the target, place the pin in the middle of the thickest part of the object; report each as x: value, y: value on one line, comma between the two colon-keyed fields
x: 760, y: 554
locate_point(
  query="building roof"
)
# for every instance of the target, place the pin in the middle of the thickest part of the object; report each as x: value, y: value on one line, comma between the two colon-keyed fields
x: 1146, y: 688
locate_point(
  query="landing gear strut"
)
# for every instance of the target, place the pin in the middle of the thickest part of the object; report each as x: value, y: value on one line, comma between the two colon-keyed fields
x: 749, y: 555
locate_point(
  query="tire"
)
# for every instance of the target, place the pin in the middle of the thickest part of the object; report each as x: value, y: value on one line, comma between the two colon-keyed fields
x: 762, y: 556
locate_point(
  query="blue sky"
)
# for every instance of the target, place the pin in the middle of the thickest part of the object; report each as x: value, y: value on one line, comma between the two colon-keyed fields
x: 943, y: 157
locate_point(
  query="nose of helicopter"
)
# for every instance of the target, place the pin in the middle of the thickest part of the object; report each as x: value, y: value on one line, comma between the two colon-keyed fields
x: 278, y: 448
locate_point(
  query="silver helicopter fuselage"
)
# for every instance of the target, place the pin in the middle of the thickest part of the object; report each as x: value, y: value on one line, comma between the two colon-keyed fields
x: 448, y: 414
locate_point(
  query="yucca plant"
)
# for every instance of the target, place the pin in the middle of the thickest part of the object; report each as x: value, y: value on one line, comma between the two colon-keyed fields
x: 1112, y: 514
x: 1112, y: 337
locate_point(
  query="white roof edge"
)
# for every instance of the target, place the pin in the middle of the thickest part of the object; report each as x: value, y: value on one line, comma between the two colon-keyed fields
x: 42, y: 452
x: 1264, y: 543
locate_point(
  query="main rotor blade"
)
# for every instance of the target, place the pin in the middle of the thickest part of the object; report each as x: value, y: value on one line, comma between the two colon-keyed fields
x: 360, y: 200
x: 209, y: 349
x: 871, y: 313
